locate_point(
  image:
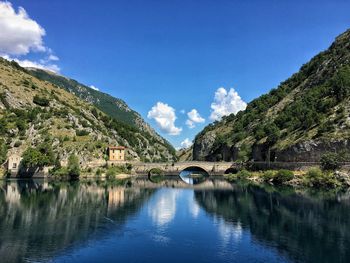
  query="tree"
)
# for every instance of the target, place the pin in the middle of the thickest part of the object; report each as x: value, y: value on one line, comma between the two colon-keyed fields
x: 73, y: 166
x: 272, y: 133
x: 341, y: 83
x: 3, y: 151
x: 330, y: 161
x: 282, y: 176
x: 38, y: 157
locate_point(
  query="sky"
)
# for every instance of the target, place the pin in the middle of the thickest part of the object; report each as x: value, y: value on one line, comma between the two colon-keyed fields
x: 181, y: 64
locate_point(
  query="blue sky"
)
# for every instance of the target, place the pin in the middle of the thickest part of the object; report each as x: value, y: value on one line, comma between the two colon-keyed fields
x: 179, y: 53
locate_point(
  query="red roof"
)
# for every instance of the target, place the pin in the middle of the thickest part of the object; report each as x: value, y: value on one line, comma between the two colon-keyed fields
x: 116, y: 147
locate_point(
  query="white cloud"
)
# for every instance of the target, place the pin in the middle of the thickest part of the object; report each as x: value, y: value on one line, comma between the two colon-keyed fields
x: 94, y: 88
x: 53, y: 58
x: 165, y: 117
x: 226, y: 103
x: 186, y: 143
x: 163, y: 210
x: 32, y: 64
x: 193, y: 206
x: 229, y: 232
x: 19, y: 34
x: 190, y: 124
x: 194, y: 117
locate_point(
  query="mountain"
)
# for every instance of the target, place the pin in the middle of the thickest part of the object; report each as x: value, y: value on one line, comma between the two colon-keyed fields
x: 304, y: 117
x: 184, y: 154
x: 39, y: 107
x: 114, y: 107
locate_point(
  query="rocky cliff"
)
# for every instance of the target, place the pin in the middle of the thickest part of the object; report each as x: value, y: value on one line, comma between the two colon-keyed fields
x: 304, y: 117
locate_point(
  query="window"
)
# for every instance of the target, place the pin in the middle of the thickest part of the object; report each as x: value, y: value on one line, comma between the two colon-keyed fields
x: 14, y: 165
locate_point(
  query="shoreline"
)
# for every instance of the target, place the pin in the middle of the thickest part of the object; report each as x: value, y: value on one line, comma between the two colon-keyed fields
x: 314, y: 178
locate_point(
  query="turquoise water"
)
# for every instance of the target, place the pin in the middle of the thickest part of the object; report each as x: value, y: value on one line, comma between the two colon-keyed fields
x: 170, y: 222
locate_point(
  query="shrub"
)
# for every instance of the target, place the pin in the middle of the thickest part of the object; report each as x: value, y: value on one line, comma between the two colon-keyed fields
x: 82, y: 132
x: 112, y: 171
x: 17, y: 144
x: 240, y: 175
x: 98, y: 172
x: 128, y: 166
x: 3, y: 151
x: 21, y: 125
x: 314, y: 173
x: 94, y: 112
x: 243, y: 174
x: 268, y: 175
x: 84, y: 123
x: 330, y: 161
x: 231, y: 177
x: 41, y: 101
x: 283, y: 176
x: 60, y: 172
x: 73, y: 166
x: 315, y: 177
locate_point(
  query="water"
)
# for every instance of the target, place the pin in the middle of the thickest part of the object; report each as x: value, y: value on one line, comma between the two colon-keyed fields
x: 193, y: 176
x: 170, y: 222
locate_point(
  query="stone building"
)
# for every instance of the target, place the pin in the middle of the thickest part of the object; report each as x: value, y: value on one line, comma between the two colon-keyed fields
x: 13, y: 163
x: 116, y: 153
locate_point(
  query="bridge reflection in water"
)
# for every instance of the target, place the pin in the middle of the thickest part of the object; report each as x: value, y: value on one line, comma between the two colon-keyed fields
x: 194, y: 175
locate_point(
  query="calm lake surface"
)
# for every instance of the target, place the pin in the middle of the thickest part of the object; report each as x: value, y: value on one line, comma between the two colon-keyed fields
x: 169, y: 221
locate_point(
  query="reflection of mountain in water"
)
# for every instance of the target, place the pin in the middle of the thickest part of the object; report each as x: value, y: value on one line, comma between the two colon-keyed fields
x: 307, y: 228
x: 38, y: 219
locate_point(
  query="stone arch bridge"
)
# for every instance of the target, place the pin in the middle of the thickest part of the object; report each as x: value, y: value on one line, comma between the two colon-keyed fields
x: 212, y: 168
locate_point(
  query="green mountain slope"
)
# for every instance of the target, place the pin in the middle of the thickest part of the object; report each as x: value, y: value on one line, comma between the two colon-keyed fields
x: 34, y: 111
x: 114, y: 107
x: 304, y: 117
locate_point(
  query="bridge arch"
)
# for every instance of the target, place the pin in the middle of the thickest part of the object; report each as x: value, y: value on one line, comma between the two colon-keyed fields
x: 155, y: 171
x: 195, y: 168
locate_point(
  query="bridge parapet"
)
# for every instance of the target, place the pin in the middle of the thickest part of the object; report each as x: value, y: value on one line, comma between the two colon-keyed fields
x: 212, y: 168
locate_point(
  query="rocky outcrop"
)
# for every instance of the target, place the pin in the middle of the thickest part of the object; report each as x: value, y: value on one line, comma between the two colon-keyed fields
x: 311, y: 151
x: 202, y: 147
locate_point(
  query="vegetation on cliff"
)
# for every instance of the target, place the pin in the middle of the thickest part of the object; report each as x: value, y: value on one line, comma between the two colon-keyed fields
x: 35, y: 112
x: 311, y: 106
x: 116, y: 108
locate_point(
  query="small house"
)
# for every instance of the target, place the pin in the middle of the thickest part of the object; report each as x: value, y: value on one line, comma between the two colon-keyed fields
x: 13, y: 163
x: 116, y: 153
